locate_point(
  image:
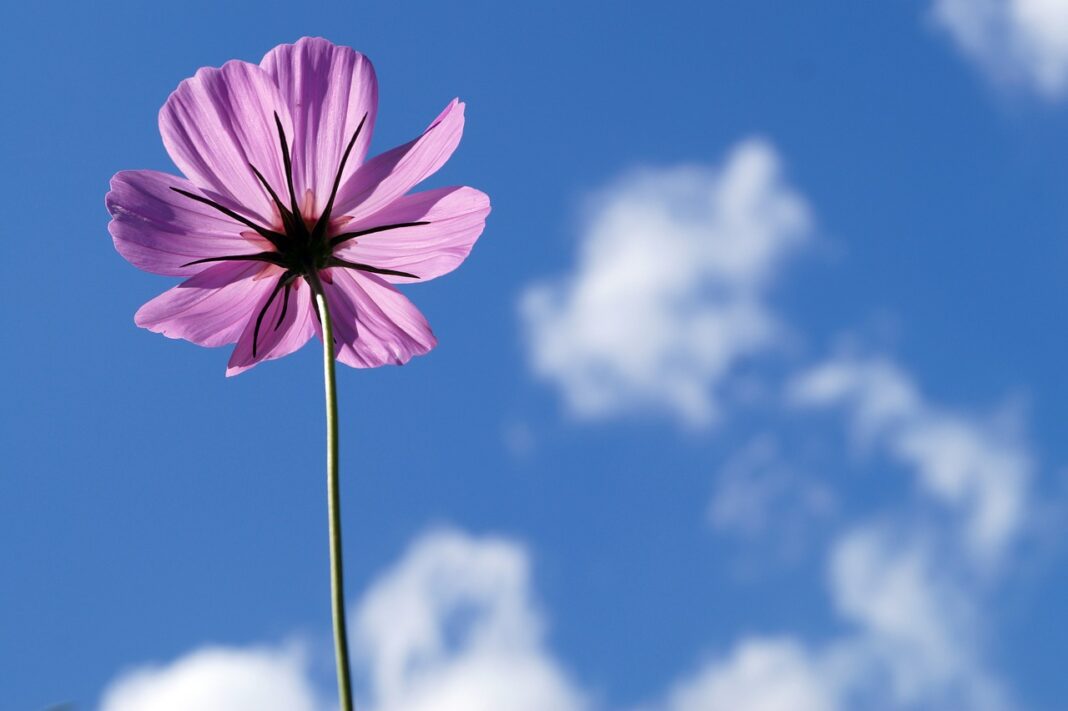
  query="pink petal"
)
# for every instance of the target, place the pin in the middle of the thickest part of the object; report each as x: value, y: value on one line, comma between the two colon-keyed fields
x: 279, y: 340
x: 328, y: 89
x: 374, y: 324
x: 159, y: 230
x: 218, y: 123
x: 210, y: 309
x: 456, y: 217
x: 390, y: 175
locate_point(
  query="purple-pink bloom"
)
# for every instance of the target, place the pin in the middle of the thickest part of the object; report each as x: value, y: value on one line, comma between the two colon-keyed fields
x: 278, y: 198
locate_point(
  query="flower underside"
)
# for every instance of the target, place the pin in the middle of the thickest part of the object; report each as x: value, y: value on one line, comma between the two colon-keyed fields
x: 304, y: 245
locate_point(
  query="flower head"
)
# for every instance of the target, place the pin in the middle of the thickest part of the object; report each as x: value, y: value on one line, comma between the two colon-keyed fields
x: 278, y: 203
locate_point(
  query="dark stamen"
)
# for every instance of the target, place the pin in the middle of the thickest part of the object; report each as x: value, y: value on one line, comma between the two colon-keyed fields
x: 345, y: 237
x: 320, y: 226
x: 271, y: 257
x: 339, y: 262
x: 263, y: 312
x: 270, y: 235
x: 285, y: 305
x: 289, y: 170
x: 287, y: 216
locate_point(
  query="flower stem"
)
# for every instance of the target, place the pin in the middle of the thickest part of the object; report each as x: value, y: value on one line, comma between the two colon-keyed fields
x: 337, y: 582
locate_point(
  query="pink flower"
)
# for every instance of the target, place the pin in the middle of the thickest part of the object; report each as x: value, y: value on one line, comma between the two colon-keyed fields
x: 278, y: 200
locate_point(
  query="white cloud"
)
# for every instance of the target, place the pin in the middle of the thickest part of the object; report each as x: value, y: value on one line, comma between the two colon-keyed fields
x: 891, y: 589
x: 1018, y: 41
x: 452, y: 628
x: 912, y: 640
x: 909, y: 584
x: 218, y: 679
x: 775, y: 674
x: 453, y: 625
x: 669, y: 290
x: 912, y: 584
x: 917, y: 627
x: 976, y: 468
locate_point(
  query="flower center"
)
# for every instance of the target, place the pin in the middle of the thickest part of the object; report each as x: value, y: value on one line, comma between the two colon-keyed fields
x: 304, y: 245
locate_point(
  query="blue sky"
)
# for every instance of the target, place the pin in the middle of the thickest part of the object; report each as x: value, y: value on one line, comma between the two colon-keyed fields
x: 751, y: 395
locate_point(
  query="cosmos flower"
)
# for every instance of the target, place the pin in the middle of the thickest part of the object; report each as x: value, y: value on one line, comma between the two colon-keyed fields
x: 278, y: 202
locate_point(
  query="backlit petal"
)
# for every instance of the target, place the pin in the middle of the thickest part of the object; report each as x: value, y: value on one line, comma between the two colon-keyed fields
x: 218, y: 123
x: 159, y: 230
x: 275, y: 339
x: 390, y: 175
x: 374, y: 324
x: 211, y: 308
x: 328, y: 89
x: 455, y: 218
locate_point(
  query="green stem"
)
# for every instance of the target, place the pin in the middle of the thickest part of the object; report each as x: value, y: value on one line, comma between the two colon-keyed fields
x: 337, y: 582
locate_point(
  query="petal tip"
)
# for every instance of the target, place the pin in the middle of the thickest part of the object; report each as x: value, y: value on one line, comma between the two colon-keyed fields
x: 139, y: 318
x: 234, y: 368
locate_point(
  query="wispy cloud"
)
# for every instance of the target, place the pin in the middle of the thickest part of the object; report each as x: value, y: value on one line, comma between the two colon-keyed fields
x: 910, y: 584
x: 759, y: 491
x: 918, y: 630
x: 911, y: 639
x: 1023, y: 42
x: 668, y: 293
x: 975, y: 467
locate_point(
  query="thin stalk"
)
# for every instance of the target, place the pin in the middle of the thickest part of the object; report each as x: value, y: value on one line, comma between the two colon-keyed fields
x: 337, y: 582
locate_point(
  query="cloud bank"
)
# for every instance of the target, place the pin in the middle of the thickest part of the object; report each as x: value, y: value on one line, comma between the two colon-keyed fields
x: 451, y: 627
